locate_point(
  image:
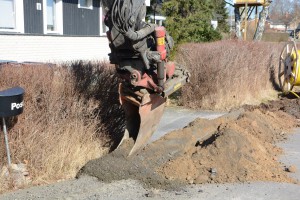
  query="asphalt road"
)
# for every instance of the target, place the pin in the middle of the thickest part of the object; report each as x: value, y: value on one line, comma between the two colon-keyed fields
x: 91, y: 188
x: 176, y: 118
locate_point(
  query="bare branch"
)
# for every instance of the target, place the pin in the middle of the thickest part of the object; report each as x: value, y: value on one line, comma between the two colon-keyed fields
x: 229, y: 3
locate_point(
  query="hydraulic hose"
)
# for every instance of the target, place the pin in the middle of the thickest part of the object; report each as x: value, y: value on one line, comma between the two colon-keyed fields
x: 124, y: 13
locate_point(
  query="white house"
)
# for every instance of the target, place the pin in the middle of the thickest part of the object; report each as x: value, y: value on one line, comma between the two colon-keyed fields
x: 278, y: 26
x: 156, y: 19
x: 53, y: 30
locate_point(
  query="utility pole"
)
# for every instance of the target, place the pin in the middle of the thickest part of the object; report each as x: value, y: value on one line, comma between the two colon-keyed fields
x: 246, y: 20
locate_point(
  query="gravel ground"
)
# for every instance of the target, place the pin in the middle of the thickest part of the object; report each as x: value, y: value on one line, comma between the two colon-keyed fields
x: 90, y: 188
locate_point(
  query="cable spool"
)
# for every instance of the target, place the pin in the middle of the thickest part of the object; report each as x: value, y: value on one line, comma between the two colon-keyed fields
x: 289, y: 71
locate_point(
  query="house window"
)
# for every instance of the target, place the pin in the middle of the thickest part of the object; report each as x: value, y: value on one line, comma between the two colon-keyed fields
x: 53, y: 17
x: 88, y: 4
x: 51, y: 21
x: 12, y: 16
x: 103, y: 27
x: 7, y: 10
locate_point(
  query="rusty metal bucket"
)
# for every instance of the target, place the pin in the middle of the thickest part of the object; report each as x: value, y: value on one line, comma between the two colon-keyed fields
x: 143, y: 112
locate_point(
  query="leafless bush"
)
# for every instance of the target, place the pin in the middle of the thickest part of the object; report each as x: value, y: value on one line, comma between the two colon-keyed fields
x: 69, y: 111
x: 99, y: 81
x: 226, y: 74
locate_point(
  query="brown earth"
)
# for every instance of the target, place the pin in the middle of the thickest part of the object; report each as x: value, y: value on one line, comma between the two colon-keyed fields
x: 238, y: 147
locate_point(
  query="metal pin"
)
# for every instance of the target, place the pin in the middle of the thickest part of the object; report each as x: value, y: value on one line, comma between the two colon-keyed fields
x: 6, y: 142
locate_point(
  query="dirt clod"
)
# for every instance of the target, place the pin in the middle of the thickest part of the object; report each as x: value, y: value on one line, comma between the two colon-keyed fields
x: 291, y: 169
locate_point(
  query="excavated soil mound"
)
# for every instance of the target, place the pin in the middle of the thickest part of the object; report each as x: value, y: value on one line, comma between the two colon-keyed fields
x: 240, y: 150
x: 290, y: 106
x: 237, y: 147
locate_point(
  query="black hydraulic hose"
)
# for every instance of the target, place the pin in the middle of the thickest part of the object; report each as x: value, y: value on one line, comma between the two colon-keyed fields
x: 123, y: 14
x: 161, y: 74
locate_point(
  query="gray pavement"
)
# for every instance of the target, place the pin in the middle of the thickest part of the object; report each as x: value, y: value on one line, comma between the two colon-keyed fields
x: 291, y: 154
x: 176, y: 118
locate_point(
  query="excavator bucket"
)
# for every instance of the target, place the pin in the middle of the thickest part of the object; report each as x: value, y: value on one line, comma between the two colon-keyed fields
x: 143, y: 112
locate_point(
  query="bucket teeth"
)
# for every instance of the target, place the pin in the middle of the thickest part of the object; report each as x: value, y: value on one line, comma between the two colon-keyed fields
x: 143, y: 113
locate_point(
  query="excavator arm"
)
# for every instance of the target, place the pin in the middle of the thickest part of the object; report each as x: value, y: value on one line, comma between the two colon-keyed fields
x: 140, y: 52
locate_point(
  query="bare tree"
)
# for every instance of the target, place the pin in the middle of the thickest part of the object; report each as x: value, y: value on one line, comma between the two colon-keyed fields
x: 281, y: 11
x: 237, y: 16
x: 261, y: 23
x: 296, y: 11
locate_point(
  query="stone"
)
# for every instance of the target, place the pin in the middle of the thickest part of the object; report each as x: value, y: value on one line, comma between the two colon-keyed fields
x: 291, y: 169
x: 4, y: 172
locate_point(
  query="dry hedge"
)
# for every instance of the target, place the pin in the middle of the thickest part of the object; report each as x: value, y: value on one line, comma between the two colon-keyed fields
x: 227, y: 74
x: 68, y: 119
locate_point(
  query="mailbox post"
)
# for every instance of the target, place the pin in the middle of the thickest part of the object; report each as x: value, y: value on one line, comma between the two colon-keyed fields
x: 11, y: 104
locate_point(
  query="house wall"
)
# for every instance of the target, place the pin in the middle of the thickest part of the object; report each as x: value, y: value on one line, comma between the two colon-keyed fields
x: 33, y: 18
x: 81, y: 21
x: 52, y: 48
x: 278, y: 27
x: 249, y: 1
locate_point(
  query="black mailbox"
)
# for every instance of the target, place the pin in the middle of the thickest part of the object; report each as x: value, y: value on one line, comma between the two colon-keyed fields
x: 11, y: 102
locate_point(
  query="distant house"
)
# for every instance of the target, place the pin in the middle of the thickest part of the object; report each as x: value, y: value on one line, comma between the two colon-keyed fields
x: 52, y: 30
x: 278, y: 26
x: 159, y: 20
x: 156, y: 19
x: 260, y: 2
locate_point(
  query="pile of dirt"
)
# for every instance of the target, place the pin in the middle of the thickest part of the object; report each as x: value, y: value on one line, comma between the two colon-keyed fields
x: 240, y: 150
x: 290, y: 106
x: 238, y: 147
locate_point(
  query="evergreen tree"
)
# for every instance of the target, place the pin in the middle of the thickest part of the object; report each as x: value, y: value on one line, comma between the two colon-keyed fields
x: 189, y: 20
x: 221, y: 15
x: 156, y: 6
